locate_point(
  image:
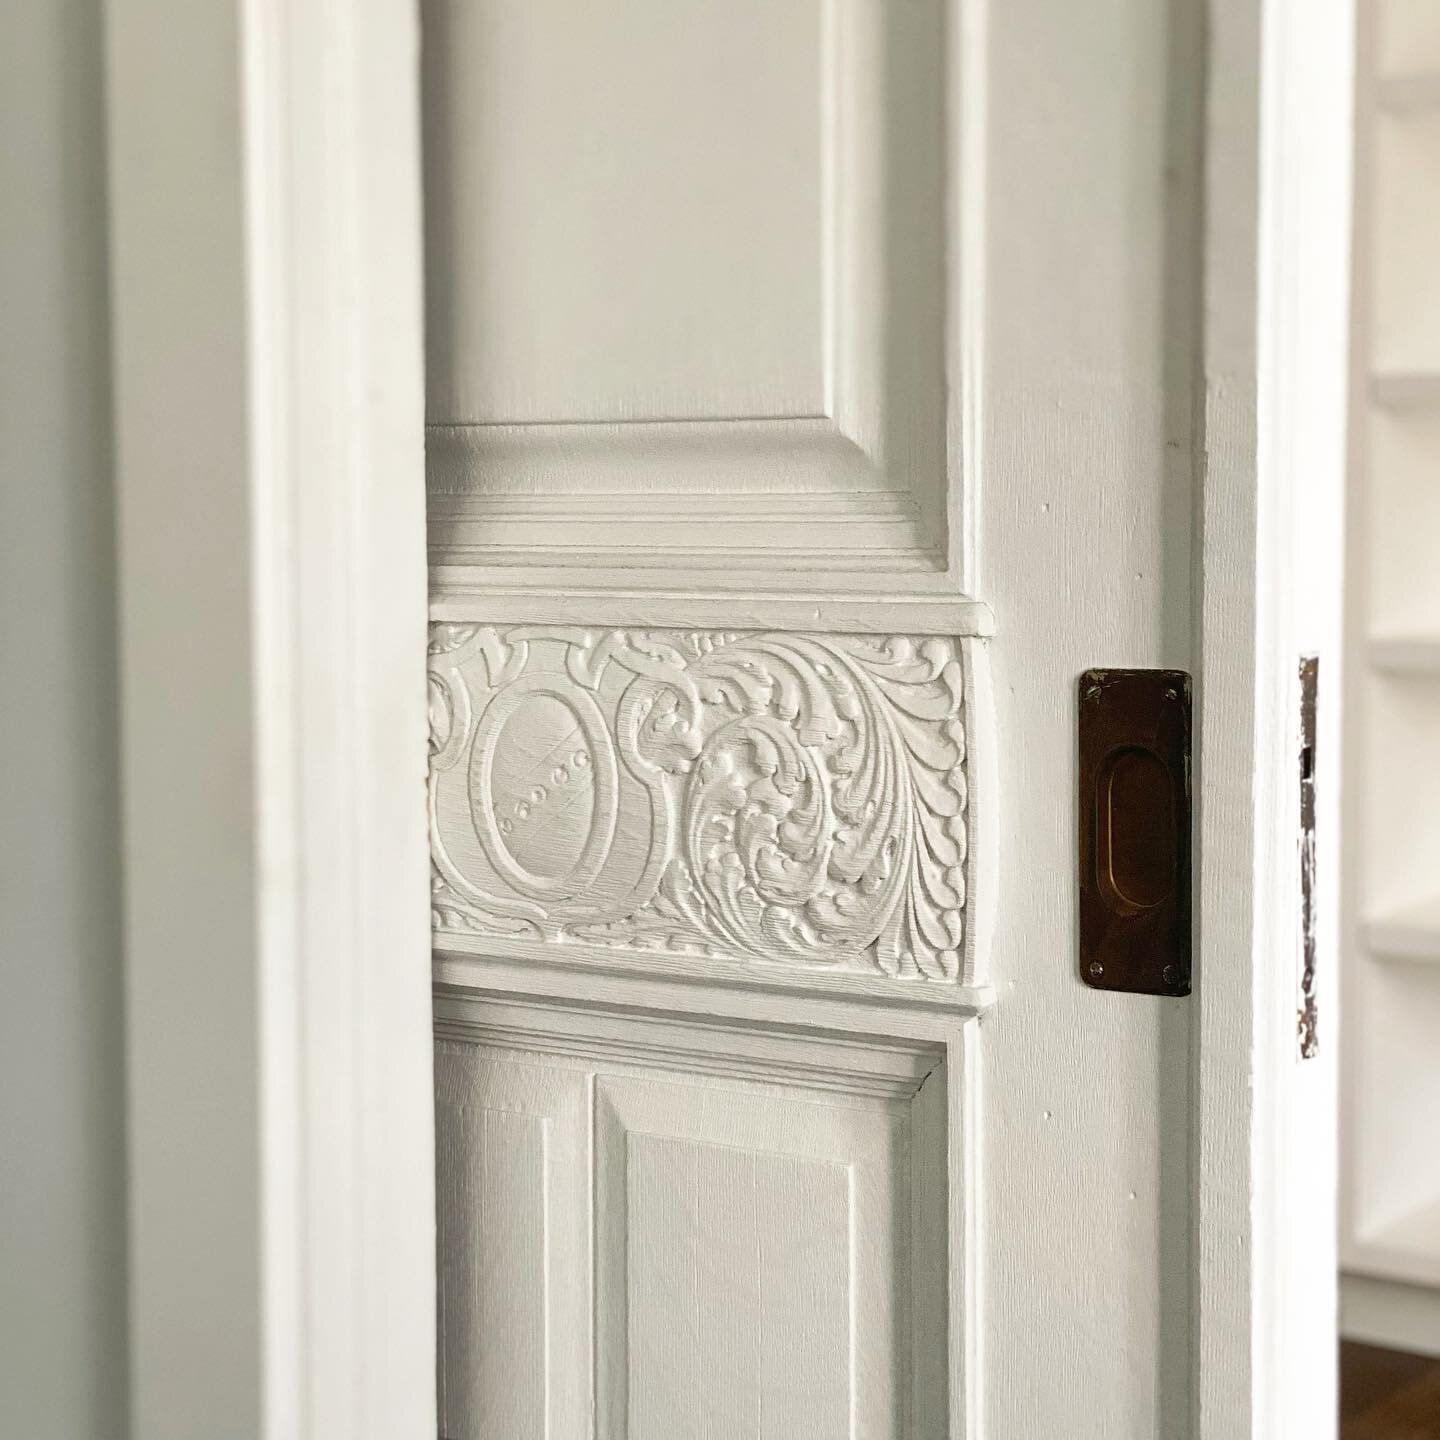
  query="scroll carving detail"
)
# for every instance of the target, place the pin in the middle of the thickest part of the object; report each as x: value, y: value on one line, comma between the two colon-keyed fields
x: 785, y: 798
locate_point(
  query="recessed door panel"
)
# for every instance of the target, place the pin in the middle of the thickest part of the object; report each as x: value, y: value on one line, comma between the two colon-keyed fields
x: 684, y: 252
x: 765, y: 1252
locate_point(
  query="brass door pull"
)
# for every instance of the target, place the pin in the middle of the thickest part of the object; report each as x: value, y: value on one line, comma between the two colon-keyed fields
x: 1134, y: 811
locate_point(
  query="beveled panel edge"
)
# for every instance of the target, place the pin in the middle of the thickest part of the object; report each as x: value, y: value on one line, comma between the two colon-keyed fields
x: 859, y: 1062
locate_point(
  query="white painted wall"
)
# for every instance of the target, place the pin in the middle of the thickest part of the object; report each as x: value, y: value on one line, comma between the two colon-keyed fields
x: 62, y: 1216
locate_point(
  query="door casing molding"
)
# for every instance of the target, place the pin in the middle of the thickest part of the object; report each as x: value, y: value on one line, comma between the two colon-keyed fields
x: 265, y: 262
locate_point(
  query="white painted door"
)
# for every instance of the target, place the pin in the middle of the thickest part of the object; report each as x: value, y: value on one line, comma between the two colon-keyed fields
x: 811, y: 399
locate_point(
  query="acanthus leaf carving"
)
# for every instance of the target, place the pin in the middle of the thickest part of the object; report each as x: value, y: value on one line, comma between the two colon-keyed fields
x: 796, y: 799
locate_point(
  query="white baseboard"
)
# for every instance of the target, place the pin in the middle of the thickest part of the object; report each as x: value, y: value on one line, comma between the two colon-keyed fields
x: 1389, y: 1313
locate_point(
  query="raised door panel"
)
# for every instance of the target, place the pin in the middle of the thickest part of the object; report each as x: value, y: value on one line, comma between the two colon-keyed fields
x: 737, y: 1291
x: 754, y: 1265
x: 685, y: 281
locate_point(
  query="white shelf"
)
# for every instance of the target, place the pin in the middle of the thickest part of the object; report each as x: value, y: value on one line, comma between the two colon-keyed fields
x: 1391, y: 1314
x: 1412, y: 934
x: 1406, y: 1249
x: 1417, y: 1233
x: 1405, y: 389
x: 1406, y: 654
x: 1406, y: 94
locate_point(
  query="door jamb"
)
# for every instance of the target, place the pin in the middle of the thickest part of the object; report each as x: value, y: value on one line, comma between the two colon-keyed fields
x: 1275, y: 319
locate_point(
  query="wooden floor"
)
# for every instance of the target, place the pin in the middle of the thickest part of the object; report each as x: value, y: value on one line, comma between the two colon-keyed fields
x: 1385, y: 1395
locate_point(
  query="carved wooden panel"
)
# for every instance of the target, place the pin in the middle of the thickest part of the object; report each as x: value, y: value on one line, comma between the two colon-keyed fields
x: 791, y: 800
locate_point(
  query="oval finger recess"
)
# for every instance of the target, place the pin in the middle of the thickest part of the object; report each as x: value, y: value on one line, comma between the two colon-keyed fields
x: 1137, y: 841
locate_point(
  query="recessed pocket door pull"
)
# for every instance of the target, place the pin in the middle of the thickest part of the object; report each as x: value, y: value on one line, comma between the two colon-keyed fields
x: 1134, y: 816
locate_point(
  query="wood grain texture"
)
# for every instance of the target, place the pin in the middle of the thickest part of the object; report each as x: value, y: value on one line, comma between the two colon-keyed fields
x: 494, y: 1274
x: 1085, y: 551
x: 765, y: 1232
x: 828, y: 1190
x: 513, y: 1247
x: 738, y: 1293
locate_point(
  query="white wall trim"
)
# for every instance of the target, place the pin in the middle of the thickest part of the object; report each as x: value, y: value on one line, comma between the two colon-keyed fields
x: 265, y: 259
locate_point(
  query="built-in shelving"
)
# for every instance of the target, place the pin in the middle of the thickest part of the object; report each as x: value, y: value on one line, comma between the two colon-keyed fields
x: 1418, y: 1231
x: 1406, y: 94
x: 1408, y: 1248
x: 1390, y: 1066
x: 1407, y: 655
x: 1409, y: 934
x: 1405, y: 390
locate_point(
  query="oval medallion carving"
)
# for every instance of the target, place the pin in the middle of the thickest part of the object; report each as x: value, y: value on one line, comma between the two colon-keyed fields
x: 542, y: 786
x: 543, y: 789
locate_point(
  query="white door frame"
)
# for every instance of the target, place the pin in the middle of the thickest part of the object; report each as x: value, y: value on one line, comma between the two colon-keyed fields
x: 264, y: 184
x: 1275, y: 256
x: 265, y: 229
